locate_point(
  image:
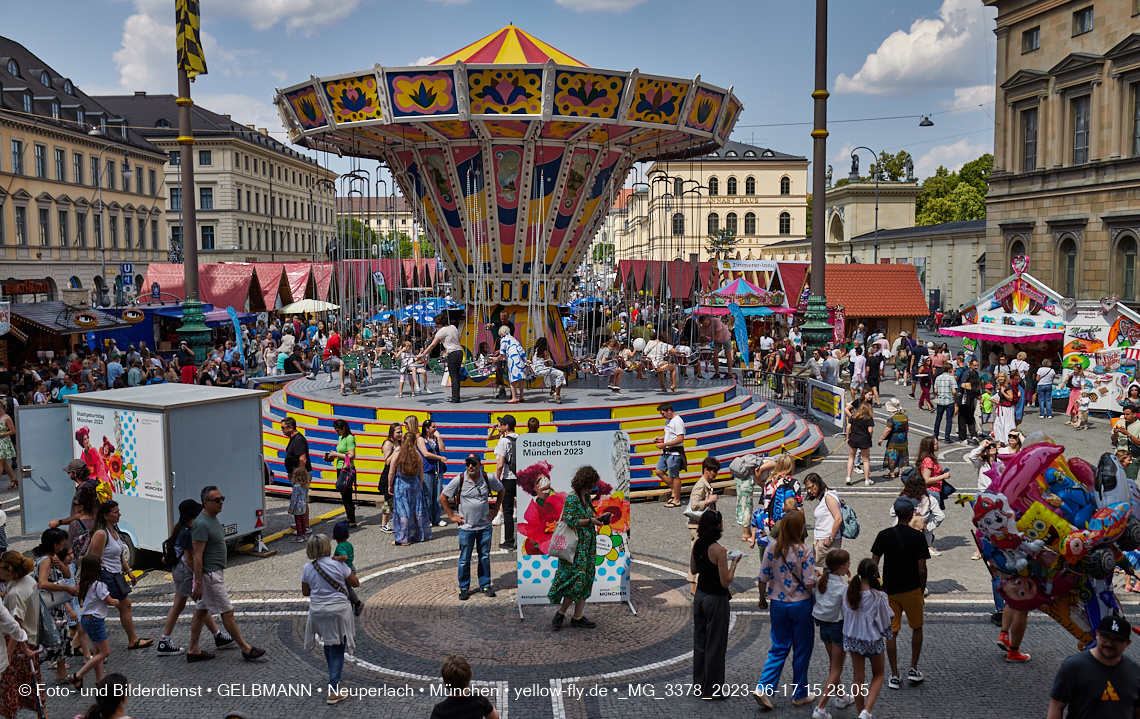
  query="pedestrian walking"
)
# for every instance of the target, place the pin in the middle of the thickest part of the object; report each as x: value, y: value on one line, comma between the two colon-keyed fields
x: 574, y: 581
x: 896, y: 435
x: 506, y: 451
x: 183, y: 576
x: 787, y: 576
x: 866, y: 627
x: 470, y: 492
x: 945, y: 396
x: 1045, y: 376
x: 926, y: 463
x: 343, y: 459
x: 702, y: 497
x: 827, y: 528
x: 388, y: 476
x: 874, y: 370
x: 512, y: 350
x: 209, y: 588
x: 860, y: 425
x: 827, y: 610
x: 447, y: 335
x: 430, y: 445
x: 107, y: 543
x: 1076, y: 385
x: 96, y: 598
x: 1004, y: 420
x: 904, y: 552
x: 1021, y: 367
x: 410, y: 519
x: 969, y: 387
x: 748, y: 471
x: 672, y: 446
x: 461, y: 703
x: 720, y: 337
x: 8, y: 446
x: 297, y: 455
x: 325, y: 582
x: 927, y: 514
x: 1101, y: 682
x: 924, y: 377
x: 299, y: 502
x: 714, y: 568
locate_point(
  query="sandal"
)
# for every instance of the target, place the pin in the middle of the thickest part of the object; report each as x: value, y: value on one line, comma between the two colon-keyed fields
x: 671, y: 504
x: 512, y: 401
x: 76, y: 682
x: 13, y: 485
x: 141, y: 644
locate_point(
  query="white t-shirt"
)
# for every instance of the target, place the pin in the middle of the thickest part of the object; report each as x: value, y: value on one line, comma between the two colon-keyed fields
x: 657, y: 352
x: 674, y: 428
x: 501, y: 451
x: 318, y: 587
x: 824, y: 522
x: 449, y: 337
x: 95, y: 603
x: 766, y: 343
x: 1083, y: 404
x: 1021, y: 366
x: 1045, y: 376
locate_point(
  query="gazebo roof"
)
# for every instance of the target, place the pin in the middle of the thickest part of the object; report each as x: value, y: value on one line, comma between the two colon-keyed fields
x: 509, y: 46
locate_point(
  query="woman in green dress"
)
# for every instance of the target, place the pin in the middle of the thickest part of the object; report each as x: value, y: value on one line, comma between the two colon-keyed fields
x: 574, y: 581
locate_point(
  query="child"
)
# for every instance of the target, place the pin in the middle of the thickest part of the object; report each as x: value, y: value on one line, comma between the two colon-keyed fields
x: 345, y: 553
x: 828, y: 614
x: 456, y: 673
x: 299, y: 502
x: 1083, y: 410
x: 989, y: 397
x: 77, y: 647
x: 96, y: 599
x: 866, y: 620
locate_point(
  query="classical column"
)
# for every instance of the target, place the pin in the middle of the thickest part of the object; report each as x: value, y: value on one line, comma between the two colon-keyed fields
x: 1044, y: 118
x: 1062, y: 125
x: 1117, y: 120
x: 1097, y: 117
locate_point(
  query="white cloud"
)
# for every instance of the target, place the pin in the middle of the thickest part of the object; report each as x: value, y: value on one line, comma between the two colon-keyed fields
x: 605, y: 5
x: 425, y: 60
x: 304, y: 16
x: 244, y: 110
x: 972, y: 97
x: 935, y: 54
x: 952, y: 157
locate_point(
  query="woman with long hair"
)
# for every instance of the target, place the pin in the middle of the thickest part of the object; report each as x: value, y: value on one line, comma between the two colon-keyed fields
x: 781, y: 476
x: 8, y: 446
x: 183, y: 576
x: 410, y: 520
x: 50, y: 572
x: 107, y: 544
x: 787, y: 575
x: 345, y: 462
x: 1013, y: 442
x: 710, y: 562
x: 574, y: 581
x: 926, y: 463
x: 827, y: 524
x: 828, y: 614
x: 430, y: 444
x: 96, y: 599
x: 1076, y: 385
x: 387, y: 477
x: 859, y: 427
x: 1007, y: 399
x: 925, y: 379
x: 543, y: 365
x: 22, y: 604
x: 866, y: 620
x: 896, y: 435
x: 110, y: 699
x: 927, y: 512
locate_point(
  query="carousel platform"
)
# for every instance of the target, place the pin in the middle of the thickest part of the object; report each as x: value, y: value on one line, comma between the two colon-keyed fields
x: 722, y: 418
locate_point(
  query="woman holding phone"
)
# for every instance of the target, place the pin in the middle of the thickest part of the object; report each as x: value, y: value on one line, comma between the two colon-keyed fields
x: 574, y: 581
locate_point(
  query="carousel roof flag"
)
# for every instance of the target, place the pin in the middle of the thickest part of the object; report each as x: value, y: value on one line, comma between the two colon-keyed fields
x: 512, y: 148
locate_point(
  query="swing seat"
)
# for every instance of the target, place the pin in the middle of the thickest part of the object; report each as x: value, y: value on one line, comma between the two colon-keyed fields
x: 385, y: 362
x: 351, y: 362
x: 434, y: 365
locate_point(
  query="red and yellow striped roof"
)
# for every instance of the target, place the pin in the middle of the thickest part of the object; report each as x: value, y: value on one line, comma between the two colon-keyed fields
x: 509, y: 46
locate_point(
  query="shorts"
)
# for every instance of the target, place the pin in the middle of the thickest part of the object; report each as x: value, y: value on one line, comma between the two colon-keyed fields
x: 332, y: 364
x: 94, y: 627
x: 183, y: 579
x: 215, y: 600
x: 725, y: 347
x: 863, y: 647
x: 855, y: 385
x: 830, y: 632
x: 909, y: 602
x: 112, y: 585
x: 821, y: 551
x: 670, y: 464
x: 987, y: 417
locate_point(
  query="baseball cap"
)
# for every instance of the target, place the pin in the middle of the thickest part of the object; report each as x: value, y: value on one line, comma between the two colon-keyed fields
x: 1116, y: 627
x: 990, y: 385
x: 904, y: 505
x: 74, y: 466
x: 472, y: 459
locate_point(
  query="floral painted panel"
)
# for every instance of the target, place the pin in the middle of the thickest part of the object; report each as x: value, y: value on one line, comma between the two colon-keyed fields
x: 307, y: 108
x: 353, y: 99
x: 423, y: 94
x: 505, y: 91
x: 657, y: 101
x: 587, y: 94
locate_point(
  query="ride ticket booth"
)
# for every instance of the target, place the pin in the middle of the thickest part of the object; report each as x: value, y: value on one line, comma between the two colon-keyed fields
x: 155, y: 446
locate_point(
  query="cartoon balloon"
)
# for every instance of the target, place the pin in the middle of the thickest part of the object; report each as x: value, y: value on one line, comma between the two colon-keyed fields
x: 1019, y: 471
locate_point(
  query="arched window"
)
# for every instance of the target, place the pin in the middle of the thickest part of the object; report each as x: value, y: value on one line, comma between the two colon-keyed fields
x: 1127, y: 249
x: 714, y: 223
x: 1016, y: 249
x: 750, y: 186
x: 785, y: 223
x: 678, y: 187
x: 678, y: 224
x: 162, y: 122
x: 785, y: 186
x: 731, y: 186
x: 67, y: 87
x: 730, y: 222
x: 714, y: 187
x: 13, y: 68
x: 75, y: 283
x: 1067, y: 253
x: 750, y: 223
x: 45, y: 80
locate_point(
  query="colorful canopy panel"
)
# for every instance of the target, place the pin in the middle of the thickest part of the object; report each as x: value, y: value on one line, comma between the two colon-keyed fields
x: 509, y: 46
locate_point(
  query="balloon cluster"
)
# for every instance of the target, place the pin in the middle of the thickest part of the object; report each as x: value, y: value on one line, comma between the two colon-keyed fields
x: 1052, y: 530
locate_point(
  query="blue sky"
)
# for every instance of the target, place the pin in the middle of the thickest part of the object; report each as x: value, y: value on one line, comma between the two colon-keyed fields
x: 886, y: 57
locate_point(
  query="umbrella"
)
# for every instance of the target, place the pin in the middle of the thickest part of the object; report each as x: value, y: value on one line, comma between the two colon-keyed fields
x: 304, y: 306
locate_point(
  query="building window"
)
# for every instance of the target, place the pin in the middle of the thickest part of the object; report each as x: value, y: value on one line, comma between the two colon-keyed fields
x: 77, y: 167
x: 678, y: 224
x: 54, y: 110
x: 257, y: 203
x: 176, y: 198
x: 142, y: 234
x: 176, y: 157
x: 208, y: 237
x: 80, y: 118
x: 750, y: 186
x: 785, y: 223
x: 128, y: 239
x: 263, y: 167
x: 64, y: 230
x: 152, y: 180
x: 247, y: 207
x: 162, y: 123
x: 1068, y: 255
x: 678, y: 187
x: 205, y: 157
x: 1080, y: 131
x: 1031, y: 40
x: 80, y: 229
x: 138, y: 179
x: 113, y: 229
x: 750, y: 223
x: 3, y: 219
x: 714, y: 224
x: 110, y: 173
x: 28, y: 102
x: 45, y: 227
x: 45, y: 80
x: 730, y: 223
x: 714, y: 187
x: 13, y: 68
x: 154, y: 234
x: 1128, y: 250
x: 1136, y: 119
x: 206, y: 198
x: 41, y: 162
x: 731, y: 186
x: 1083, y: 22
x: 21, y: 225
x: 247, y: 163
x: 1029, y: 139
x: 95, y: 182
x: 61, y: 165
x: 97, y: 228
x: 176, y: 237
x: 785, y: 186
x: 237, y: 161
x: 241, y: 238
x: 17, y: 157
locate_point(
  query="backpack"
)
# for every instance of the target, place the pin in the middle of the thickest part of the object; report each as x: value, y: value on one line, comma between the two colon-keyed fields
x: 745, y: 465
x: 906, y: 473
x: 850, y: 521
x: 786, y: 489
x: 509, y: 457
x: 170, y: 555
x: 82, y: 541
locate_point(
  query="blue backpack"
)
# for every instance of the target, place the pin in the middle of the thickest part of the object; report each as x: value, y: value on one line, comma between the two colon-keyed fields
x: 786, y: 489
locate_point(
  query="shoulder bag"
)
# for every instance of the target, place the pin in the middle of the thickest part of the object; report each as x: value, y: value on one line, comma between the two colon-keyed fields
x: 337, y: 586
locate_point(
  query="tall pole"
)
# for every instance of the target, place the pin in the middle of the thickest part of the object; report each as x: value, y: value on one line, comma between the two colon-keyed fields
x: 193, y: 330
x: 816, y: 329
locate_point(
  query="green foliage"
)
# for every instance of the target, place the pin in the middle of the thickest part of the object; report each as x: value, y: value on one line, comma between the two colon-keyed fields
x: 603, y: 253
x: 955, y: 196
x: 354, y: 233
x: 894, y: 166
x: 969, y: 203
x: 358, y: 237
x: 722, y: 243
x: 809, y: 216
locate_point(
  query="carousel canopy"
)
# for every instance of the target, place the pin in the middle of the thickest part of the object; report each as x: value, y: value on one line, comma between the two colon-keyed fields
x: 740, y: 286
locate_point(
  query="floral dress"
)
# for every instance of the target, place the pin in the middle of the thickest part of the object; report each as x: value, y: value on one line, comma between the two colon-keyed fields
x: 575, y: 581
x: 898, y: 448
x: 516, y: 358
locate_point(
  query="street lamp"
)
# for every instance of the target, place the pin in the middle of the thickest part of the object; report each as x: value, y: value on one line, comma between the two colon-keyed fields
x: 854, y: 177
x: 127, y: 175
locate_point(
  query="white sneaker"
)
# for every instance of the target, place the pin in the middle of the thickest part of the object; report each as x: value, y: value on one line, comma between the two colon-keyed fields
x: 442, y: 523
x: 934, y: 552
x: 850, y: 482
x: 868, y: 482
x: 820, y: 713
x: 497, y: 521
x: 865, y: 715
x: 858, y: 470
x: 844, y: 702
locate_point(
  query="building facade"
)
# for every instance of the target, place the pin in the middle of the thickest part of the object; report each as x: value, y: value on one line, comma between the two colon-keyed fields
x: 386, y: 216
x: 75, y: 207
x: 1065, y: 189
x: 757, y: 194
x: 257, y: 200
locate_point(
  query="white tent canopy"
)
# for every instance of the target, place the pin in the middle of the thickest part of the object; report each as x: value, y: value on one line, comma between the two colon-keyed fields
x: 305, y: 306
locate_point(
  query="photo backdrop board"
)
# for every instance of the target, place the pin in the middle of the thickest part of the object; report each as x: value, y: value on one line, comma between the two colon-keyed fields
x: 606, y: 452
x: 123, y: 448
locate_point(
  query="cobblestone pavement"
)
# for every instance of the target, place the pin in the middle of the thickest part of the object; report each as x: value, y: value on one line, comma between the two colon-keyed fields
x: 630, y: 666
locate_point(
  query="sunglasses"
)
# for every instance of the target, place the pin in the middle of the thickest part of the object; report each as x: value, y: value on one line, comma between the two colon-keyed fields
x: 217, y: 499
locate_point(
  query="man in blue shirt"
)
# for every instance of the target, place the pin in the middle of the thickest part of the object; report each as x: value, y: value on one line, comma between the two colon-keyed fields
x: 114, y: 370
x: 69, y: 388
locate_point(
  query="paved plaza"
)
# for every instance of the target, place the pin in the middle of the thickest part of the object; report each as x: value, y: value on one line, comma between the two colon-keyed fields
x: 634, y: 666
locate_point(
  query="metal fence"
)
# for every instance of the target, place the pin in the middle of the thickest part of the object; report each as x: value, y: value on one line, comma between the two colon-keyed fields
x: 783, y: 389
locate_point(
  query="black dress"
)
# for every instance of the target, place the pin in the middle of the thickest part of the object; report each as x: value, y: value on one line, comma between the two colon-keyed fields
x: 710, y: 622
x: 860, y: 434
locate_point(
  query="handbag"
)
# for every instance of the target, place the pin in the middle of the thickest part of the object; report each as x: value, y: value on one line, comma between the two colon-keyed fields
x: 346, y: 478
x: 564, y: 542
x: 120, y: 581
x: 337, y: 586
x: 947, y: 490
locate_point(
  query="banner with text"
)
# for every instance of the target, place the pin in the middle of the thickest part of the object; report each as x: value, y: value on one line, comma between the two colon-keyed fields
x: 825, y: 403
x: 123, y: 448
x: 606, y: 452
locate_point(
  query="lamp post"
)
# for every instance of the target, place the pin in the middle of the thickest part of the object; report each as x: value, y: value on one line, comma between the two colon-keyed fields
x: 127, y: 175
x: 854, y: 177
x: 816, y: 329
x: 193, y: 330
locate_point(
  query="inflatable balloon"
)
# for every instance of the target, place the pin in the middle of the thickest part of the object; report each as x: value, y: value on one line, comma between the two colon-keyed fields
x: 1018, y: 471
x: 1082, y: 471
x: 994, y: 519
x: 1041, y: 523
x: 639, y: 345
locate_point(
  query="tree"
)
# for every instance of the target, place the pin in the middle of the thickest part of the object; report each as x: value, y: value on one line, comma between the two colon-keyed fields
x: 894, y: 166
x: 977, y: 172
x: 809, y: 216
x: 722, y: 242
x: 955, y: 196
x: 970, y: 204
x: 604, y: 253
x: 354, y: 234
